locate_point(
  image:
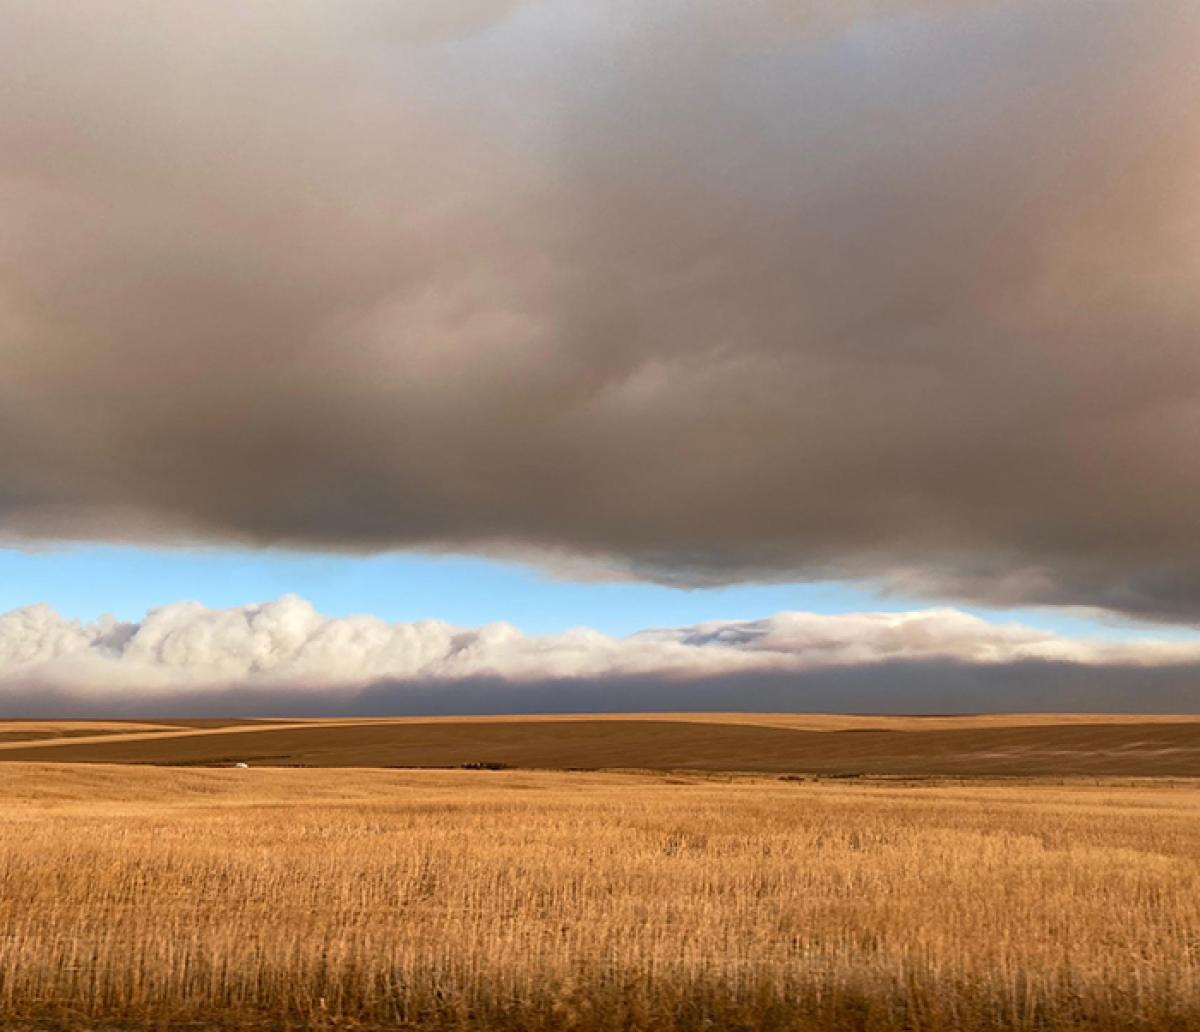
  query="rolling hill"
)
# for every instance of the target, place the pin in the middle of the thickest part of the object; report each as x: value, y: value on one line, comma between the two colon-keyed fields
x: 764, y: 743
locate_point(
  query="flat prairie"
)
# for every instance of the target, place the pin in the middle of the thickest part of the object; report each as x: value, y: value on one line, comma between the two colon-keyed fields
x: 1005, y: 745
x: 531, y: 901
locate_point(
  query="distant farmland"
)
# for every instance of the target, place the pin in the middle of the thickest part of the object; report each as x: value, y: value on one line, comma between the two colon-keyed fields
x: 1035, y: 745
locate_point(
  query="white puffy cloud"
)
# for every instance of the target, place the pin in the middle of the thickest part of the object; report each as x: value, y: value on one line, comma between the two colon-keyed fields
x: 287, y: 644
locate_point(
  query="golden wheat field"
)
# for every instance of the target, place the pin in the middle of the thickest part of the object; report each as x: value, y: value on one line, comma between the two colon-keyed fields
x: 316, y: 898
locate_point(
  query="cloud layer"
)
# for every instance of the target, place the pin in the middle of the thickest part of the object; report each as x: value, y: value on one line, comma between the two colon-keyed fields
x: 283, y: 657
x: 695, y: 291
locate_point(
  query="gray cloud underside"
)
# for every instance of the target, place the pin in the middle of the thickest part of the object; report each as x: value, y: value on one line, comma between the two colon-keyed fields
x: 897, y: 686
x: 283, y: 657
x: 694, y: 291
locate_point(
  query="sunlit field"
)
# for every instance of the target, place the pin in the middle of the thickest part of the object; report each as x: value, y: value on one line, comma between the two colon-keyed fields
x: 154, y: 898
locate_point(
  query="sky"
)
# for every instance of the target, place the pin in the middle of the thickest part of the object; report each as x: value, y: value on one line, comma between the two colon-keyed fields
x: 86, y: 582
x: 491, y: 354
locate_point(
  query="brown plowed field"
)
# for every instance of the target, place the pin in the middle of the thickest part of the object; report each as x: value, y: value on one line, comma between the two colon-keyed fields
x: 987, y: 745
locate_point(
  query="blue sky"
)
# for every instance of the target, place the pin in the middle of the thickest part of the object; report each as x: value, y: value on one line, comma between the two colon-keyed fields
x: 84, y: 582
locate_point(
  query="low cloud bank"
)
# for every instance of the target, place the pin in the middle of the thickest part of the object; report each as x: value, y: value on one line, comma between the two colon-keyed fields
x: 283, y: 657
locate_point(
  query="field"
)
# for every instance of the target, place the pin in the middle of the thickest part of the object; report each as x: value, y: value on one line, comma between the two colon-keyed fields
x: 629, y: 872
x: 150, y: 897
x: 1009, y: 745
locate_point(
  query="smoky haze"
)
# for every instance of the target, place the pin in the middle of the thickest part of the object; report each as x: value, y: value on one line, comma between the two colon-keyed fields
x: 695, y: 292
x: 896, y: 687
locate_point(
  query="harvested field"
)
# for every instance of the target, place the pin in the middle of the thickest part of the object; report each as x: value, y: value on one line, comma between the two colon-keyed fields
x: 155, y: 898
x: 962, y: 746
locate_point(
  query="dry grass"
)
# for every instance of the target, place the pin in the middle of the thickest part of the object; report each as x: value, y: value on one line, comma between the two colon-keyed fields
x: 305, y: 898
x: 16, y: 734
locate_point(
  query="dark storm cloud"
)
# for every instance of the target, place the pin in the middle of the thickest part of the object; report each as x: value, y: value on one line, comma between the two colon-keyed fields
x: 898, y: 686
x: 693, y: 291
